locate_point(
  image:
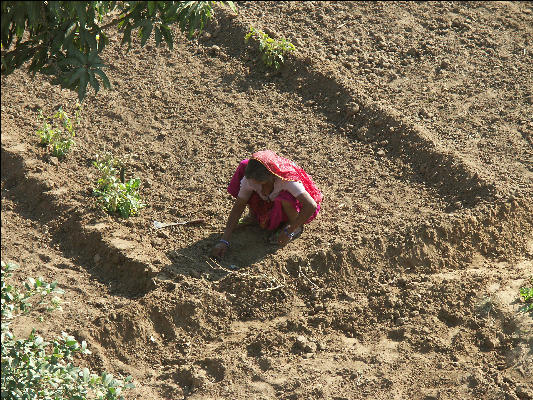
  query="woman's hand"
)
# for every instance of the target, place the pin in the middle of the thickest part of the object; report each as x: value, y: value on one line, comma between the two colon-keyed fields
x: 221, y: 247
x: 283, y: 238
x: 219, y: 250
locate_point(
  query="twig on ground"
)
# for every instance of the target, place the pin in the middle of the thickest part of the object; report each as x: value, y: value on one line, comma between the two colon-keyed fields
x: 300, y: 273
x: 176, y: 254
x: 262, y: 277
x: 216, y: 265
x: 270, y: 289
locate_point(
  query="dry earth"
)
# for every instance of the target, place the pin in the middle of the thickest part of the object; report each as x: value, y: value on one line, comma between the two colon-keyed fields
x: 415, y: 120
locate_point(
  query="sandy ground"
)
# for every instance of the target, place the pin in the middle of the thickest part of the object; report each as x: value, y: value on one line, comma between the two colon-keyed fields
x: 414, y: 119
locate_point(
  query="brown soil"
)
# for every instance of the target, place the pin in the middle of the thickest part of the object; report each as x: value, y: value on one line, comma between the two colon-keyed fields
x: 414, y: 119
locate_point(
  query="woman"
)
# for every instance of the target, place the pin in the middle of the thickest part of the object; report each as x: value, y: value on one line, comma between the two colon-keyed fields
x: 279, y: 194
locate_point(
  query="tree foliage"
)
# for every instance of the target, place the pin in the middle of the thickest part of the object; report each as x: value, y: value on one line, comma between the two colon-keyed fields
x: 65, y: 39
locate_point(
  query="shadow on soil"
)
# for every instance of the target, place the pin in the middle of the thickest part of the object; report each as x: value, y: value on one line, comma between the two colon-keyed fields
x: 38, y: 202
x: 250, y: 246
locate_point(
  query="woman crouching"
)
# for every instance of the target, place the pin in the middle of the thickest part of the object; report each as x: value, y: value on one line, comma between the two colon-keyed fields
x: 280, y: 195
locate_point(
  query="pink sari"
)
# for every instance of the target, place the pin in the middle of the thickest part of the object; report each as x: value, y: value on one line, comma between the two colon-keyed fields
x: 270, y: 214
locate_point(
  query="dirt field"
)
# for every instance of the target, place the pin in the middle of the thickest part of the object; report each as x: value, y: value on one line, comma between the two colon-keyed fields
x: 414, y: 119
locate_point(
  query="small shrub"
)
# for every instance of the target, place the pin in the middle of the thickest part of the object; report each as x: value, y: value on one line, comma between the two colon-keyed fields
x: 113, y: 192
x: 33, y: 368
x: 273, y: 50
x: 58, y: 135
x: 526, y: 293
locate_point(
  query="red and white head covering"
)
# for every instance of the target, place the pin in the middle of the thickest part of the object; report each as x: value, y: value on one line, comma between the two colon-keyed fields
x: 288, y: 170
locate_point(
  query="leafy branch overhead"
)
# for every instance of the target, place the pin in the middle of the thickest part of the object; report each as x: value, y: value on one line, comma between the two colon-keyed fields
x: 65, y: 39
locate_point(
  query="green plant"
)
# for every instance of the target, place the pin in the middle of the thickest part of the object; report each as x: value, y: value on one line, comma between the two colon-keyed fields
x: 273, y: 50
x: 65, y: 39
x: 526, y: 293
x: 33, y: 368
x: 114, y: 193
x: 58, y: 136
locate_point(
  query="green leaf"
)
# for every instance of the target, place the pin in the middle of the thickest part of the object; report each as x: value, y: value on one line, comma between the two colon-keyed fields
x: 102, y: 75
x: 168, y: 36
x: 70, y: 61
x: 107, y: 378
x: 79, y: 55
x: 194, y: 24
x: 93, y: 58
x: 33, y: 12
x: 86, y: 374
x: 171, y: 15
x: 91, y: 41
x: 127, y: 36
x: 151, y: 7
x: 231, y: 5
x: 94, y: 82
x: 158, y: 36
x: 104, y: 40
x: 74, y: 77
x: 82, y: 88
x: 146, y: 31
x: 81, y: 11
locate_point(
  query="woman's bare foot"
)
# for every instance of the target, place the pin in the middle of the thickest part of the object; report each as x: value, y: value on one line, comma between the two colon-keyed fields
x: 274, y: 238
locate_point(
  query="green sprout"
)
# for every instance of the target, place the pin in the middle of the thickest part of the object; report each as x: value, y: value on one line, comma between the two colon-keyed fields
x: 114, y: 193
x: 273, y: 51
x: 58, y: 135
x: 526, y: 293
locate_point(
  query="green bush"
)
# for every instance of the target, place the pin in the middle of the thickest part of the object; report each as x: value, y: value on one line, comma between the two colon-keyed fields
x: 58, y: 135
x: 273, y: 50
x: 113, y: 193
x: 34, y: 369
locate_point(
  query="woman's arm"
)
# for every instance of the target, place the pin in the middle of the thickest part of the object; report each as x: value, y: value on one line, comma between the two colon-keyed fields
x: 308, y: 207
x: 234, y: 216
x: 233, y: 219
